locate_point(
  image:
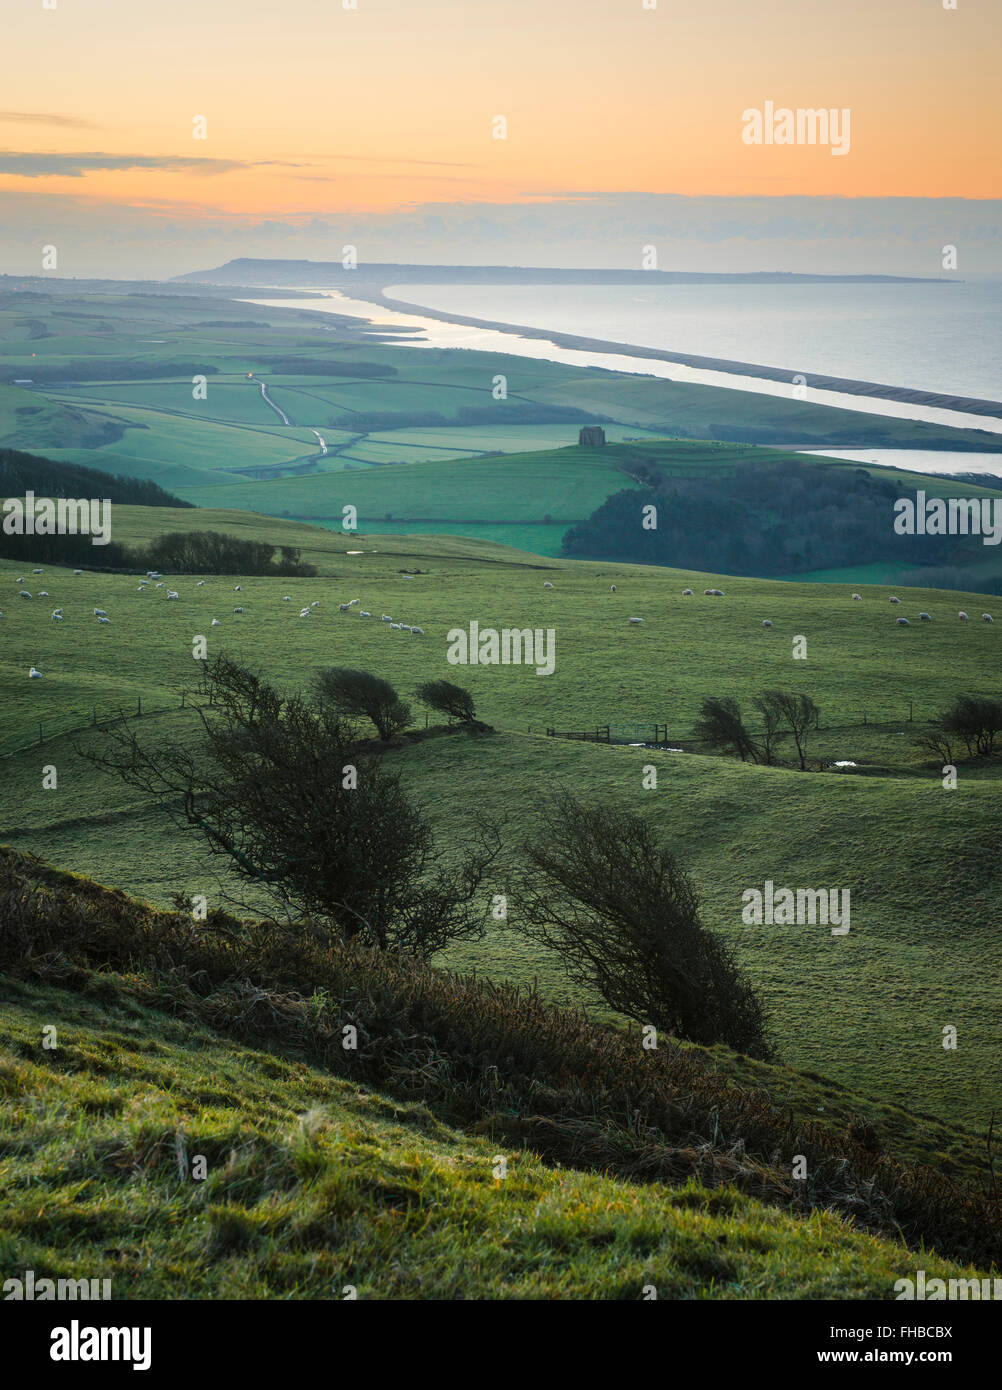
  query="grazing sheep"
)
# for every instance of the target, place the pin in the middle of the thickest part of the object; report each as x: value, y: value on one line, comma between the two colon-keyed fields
x: 38, y: 571
x: 405, y: 627
x: 363, y: 614
x: 105, y: 620
x: 962, y: 616
x: 687, y: 593
x: 635, y: 620
x: 352, y: 601
x: 926, y: 617
x: 200, y: 584
x: 173, y: 593
x: 34, y: 675
x: 857, y: 598
x: 25, y: 594
x: 287, y: 598
x: 394, y: 627
x: 766, y: 622
x: 342, y: 608
x: 215, y: 623
x: 612, y: 588
x: 78, y: 571
x: 20, y: 579
x: 547, y: 585
x: 159, y: 586
x: 902, y: 622
x: 987, y: 618
x: 100, y: 613
x: 237, y: 588
x: 315, y: 603
x: 715, y: 593
x: 386, y: 618
x: 892, y: 599
x: 417, y: 631
x: 304, y: 612
x: 57, y: 617
x: 43, y: 593
x: 238, y: 610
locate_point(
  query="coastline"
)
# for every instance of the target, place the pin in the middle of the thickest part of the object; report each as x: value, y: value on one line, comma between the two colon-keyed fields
x: 970, y: 405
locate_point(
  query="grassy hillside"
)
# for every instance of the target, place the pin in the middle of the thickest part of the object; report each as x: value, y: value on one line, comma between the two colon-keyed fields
x: 921, y: 862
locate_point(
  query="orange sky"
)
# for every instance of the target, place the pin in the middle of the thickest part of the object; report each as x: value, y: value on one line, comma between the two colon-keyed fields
x: 314, y: 109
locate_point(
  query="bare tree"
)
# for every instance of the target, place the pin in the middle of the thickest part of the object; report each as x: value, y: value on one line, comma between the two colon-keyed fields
x: 359, y: 694
x: 623, y: 915
x: 721, y: 726
x: 280, y: 788
x: 798, y: 713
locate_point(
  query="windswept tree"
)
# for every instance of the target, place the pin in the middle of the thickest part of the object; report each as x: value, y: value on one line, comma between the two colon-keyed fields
x: 361, y: 695
x: 446, y: 698
x: 720, y: 725
x: 974, y: 719
x: 623, y: 916
x: 794, y: 714
x: 279, y: 788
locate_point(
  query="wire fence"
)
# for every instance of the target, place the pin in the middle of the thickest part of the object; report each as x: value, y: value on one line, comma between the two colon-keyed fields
x: 657, y: 734
x: 77, y: 721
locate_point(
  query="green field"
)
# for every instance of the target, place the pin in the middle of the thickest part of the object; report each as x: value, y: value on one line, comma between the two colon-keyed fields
x: 922, y: 863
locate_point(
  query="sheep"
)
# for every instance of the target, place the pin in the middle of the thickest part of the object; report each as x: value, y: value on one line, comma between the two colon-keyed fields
x: 57, y: 613
x: 34, y: 675
x: 892, y: 599
x: 635, y: 620
x: 962, y: 616
x: 386, y: 618
x: 78, y: 571
x: 547, y: 585
x: 107, y: 621
x: 238, y: 610
x: 315, y: 603
x: 200, y: 584
x: 237, y: 588
x: 38, y: 571
x: 394, y: 627
x: 715, y: 593
x: 687, y: 593
x: 304, y: 612
x: 404, y: 627
x: 173, y: 593
x: 766, y: 622
x: 926, y: 617
x: 100, y: 613
x: 352, y: 602
x: 612, y: 588
x: 342, y: 608
x: 363, y: 614
x: 417, y: 631
x: 160, y: 585
x: 987, y: 618
x: 43, y: 593
x: 857, y: 598
x: 25, y: 594
x: 902, y: 622
x: 287, y: 598
x: 215, y: 623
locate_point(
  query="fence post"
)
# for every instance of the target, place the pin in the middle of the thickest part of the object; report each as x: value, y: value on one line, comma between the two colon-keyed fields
x: 139, y: 704
x: 182, y: 699
x: 40, y: 731
x: 909, y: 711
x: 94, y: 715
x: 864, y: 716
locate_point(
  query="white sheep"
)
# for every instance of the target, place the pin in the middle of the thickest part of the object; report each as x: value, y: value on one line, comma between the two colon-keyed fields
x: 386, y: 618
x: 715, y: 593
x: 342, y: 608
x: 926, y: 617
x: 902, y: 622
x: 237, y: 588
x: 238, y: 610
x: 394, y: 627
x: 173, y: 593
x: 25, y: 594
x: 892, y: 599
x: 987, y: 618
x: 287, y: 598
x: 78, y: 571
x: 857, y: 598
x: 417, y: 631
x: 547, y: 585
x: 766, y: 622
x: 43, y: 593
x: 635, y: 620
x: 215, y: 623
x: 687, y: 593
x: 304, y: 612
x: 200, y: 584
x: 105, y: 620
x: 34, y: 675
x: 962, y: 616
x: 404, y: 627
x: 363, y: 614
x: 612, y: 588
x: 38, y: 571
x: 159, y: 586
x: 315, y: 603
x: 352, y: 602
x: 100, y: 613
x: 57, y: 613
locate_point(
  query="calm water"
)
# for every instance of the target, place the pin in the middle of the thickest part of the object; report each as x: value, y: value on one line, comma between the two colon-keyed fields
x: 935, y: 337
